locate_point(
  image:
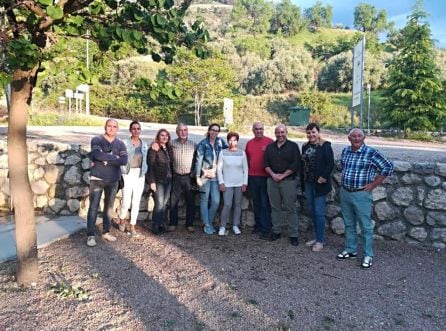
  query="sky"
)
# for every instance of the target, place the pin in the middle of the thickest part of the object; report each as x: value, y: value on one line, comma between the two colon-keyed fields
x: 397, y: 11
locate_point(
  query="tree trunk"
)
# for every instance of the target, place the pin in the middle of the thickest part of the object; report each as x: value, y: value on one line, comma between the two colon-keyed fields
x: 21, y: 194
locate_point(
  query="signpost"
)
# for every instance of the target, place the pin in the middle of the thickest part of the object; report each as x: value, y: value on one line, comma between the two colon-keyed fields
x: 358, y: 75
x: 228, y: 106
x: 84, y: 88
x: 69, y: 95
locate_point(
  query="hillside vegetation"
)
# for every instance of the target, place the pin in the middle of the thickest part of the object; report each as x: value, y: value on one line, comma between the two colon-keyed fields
x: 267, y: 63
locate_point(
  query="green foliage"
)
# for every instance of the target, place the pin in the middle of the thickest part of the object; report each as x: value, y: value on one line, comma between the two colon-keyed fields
x: 205, y: 82
x: 257, y: 45
x: 65, y: 291
x: 368, y: 19
x: 415, y: 96
x: 323, y: 111
x: 336, y: 74
x: 287, y: 19
x: 319, y: 15
x: 289, y: 69
x: 252, y: 15
x: 22, y: 54
x: 324, y: 49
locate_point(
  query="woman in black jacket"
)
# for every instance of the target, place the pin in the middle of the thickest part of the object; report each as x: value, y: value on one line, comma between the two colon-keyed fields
x: 317, y: 166
x: 160, y: 179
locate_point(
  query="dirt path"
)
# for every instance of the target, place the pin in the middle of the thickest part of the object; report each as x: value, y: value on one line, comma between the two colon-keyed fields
x: 184, y: 281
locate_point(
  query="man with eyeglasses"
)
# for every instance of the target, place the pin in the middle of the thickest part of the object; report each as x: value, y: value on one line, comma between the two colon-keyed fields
x: 108, y: 154
x: 282, y: 163
x: 257, y: 179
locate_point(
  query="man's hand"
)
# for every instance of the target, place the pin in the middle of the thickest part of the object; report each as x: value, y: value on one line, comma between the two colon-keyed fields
x: 321, y: 180
x: 155, y: 146
x: 153, y: 187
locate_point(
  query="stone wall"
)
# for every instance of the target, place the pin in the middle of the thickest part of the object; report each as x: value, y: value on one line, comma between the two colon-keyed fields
x: 409, y: 207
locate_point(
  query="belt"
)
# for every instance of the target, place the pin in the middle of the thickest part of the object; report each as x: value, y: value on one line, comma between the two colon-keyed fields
x: 181, y: 175
x: 353, y: 189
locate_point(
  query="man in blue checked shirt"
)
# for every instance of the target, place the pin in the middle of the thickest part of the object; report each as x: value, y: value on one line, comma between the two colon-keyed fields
x: 363, y: 168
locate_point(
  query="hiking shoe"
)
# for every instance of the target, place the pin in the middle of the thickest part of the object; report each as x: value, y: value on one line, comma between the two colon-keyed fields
x: 274, y: 236
x: 310, y: 243
x: 367, y: 262
x: 317, y: 247
x: 222, y: 231
x: 108, y: 236
x: 346, y: 255
x: 190, y: 229
x: 91, y: 241
x: 294, y: 241
x: 236, y: 230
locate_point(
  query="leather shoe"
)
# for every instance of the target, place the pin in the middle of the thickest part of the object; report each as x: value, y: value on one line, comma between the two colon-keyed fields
x: 264, y: 236
x: 274, y: 236
x: 294, y: 241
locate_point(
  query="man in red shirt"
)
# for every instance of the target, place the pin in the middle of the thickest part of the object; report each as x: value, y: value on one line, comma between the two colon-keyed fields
x: 257, y: 178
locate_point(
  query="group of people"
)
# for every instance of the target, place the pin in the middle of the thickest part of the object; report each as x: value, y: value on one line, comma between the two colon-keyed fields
x: 269, y: 169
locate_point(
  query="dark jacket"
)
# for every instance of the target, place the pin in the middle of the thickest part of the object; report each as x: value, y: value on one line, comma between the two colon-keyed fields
x: 324, y: 160
x: 160, y: 165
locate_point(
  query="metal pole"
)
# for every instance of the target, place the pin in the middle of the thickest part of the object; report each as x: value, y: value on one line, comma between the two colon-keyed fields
x: 87, y: 93
x: 368, y: 108
x: 362, y: 82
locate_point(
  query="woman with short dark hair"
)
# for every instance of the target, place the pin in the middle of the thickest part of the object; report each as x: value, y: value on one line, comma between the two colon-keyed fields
x: 317, y: 166
x: 232, y: 174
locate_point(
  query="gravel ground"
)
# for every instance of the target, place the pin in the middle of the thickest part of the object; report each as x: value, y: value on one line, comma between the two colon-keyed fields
x: 183, y: 281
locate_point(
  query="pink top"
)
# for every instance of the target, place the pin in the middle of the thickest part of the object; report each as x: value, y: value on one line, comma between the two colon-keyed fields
x: 255, y: 149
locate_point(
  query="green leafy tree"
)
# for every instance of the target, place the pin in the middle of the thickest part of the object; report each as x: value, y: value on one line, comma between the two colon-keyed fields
x: 252, y: 15
x: 287, y: 19
x: 206, y: 82
x: 37, y: 31
x: 414, y: 98
x: 369, y: 19
x: 318, y: 15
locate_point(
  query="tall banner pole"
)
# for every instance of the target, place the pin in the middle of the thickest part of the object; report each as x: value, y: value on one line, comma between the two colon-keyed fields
x: 357, y: 73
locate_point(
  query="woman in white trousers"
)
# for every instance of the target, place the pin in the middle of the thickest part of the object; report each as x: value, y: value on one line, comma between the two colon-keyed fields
x: 134, y: 178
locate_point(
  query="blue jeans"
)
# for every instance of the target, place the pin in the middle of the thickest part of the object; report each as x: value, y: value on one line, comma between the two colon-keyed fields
x: 262, y: 209
x: 160, y: 197
x: 357, y: 207
x: 210, y: 188
x: 96, y: 189
x: 316, y: 205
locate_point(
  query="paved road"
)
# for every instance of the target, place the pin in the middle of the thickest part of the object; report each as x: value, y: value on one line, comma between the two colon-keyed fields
x: 412, y: 151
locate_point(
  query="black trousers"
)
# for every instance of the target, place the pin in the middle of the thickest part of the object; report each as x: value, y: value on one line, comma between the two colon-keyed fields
x: 182, y: 186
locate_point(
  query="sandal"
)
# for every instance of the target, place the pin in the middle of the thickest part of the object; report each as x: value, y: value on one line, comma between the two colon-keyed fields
x: 367, y: 262
x: 346, y: 255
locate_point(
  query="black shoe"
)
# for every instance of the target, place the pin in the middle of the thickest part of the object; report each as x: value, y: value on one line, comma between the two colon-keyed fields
x: 163, y: 229
x: 274, y: 236
x: 255, y: 231
x: 264, y: 236
x: 294, y: 241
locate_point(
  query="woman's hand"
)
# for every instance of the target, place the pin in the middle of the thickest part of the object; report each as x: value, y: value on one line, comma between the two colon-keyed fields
x: 244, y: 188
x: 321, y: 180
x: 222, y: 187
x: 199, y: 182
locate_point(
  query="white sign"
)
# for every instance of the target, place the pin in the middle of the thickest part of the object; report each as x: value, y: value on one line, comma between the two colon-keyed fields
x: 61, y: 100
x: 79, y: 96
x: 228, y: 106
x: 83, y: 88
x: 69, y: 93
x: 358, y: 69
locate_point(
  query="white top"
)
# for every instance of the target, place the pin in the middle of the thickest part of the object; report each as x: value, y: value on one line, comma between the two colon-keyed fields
x: 232, y: 168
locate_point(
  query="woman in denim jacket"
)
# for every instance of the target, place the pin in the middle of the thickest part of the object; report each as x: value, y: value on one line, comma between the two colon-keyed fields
x: 208, y: 151
x: 133, y: 174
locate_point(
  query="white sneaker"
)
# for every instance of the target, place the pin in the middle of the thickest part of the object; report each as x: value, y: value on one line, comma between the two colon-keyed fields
x: 310, y: 243
x: 222, y: 231
x: 109, y: 237
x: 236, y: 230
x: 91, y: 241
